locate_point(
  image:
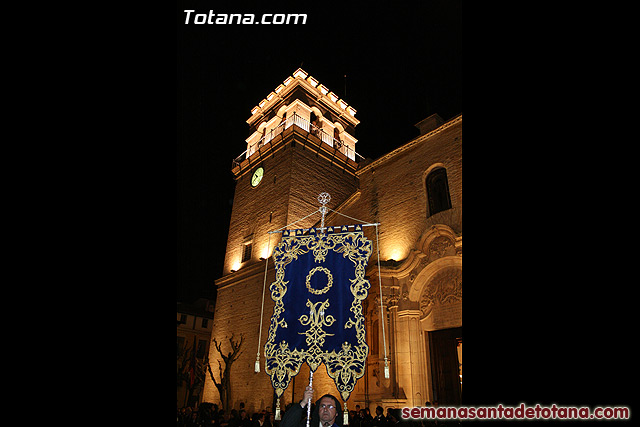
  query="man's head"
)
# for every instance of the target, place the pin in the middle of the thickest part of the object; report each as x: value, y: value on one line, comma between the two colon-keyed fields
x: 328, y: 408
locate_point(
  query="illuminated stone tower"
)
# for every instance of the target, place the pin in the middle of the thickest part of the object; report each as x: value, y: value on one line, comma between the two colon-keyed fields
x: 301, y: 143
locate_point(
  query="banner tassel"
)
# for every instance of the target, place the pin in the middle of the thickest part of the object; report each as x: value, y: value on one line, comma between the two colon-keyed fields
x: 386, y: 368
x: 345, y: 420
x: 277, y: 415
x: 257, y: 366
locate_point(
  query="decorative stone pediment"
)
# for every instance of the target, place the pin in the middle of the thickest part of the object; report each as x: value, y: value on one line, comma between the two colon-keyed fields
x: 445, y: 288
x: 437, y: 292
x: 437, y: 242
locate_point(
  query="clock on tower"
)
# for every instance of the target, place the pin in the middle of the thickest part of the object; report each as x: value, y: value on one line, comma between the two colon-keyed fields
x: 257, y: 177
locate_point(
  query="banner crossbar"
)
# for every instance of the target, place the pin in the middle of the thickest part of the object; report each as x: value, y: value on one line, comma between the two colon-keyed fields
x: 335, y: 226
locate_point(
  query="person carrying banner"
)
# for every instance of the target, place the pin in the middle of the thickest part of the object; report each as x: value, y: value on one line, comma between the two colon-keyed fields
x: 325, y: 413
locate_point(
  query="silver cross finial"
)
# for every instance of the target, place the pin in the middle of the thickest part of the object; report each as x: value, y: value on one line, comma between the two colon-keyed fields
x: 323, y: 198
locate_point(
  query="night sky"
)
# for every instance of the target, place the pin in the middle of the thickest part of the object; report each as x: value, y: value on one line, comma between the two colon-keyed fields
x: 401, y: 63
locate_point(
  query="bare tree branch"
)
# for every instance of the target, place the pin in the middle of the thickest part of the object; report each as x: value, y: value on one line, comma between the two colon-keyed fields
x: 224, y: 386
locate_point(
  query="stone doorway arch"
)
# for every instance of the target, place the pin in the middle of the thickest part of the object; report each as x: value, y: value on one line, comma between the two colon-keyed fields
x: 437, y: 289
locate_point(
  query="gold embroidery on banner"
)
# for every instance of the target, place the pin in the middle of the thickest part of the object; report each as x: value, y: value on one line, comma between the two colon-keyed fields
x: 329, y: 281
x: 315, y: 334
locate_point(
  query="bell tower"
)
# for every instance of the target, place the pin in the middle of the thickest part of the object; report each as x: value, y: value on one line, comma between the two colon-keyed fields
x: 301, y: 143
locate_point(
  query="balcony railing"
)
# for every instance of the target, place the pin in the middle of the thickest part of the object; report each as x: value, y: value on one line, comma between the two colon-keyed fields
x: 298, y: 121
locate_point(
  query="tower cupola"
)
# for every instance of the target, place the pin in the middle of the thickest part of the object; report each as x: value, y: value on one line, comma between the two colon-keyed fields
x: 302, y: 101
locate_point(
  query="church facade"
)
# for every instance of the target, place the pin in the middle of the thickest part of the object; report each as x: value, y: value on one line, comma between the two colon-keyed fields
x: 302, y: 144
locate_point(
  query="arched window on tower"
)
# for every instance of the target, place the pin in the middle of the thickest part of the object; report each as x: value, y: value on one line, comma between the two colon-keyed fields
x: 315, y: 124
x: 438, y: 191
x: 336, y: 139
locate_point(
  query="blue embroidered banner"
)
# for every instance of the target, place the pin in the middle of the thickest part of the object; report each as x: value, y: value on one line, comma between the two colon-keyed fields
x: 317, y: 318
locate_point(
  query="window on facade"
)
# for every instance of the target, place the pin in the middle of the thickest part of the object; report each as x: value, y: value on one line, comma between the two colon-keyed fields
x: 246, y: 252
x: 205, y: 322
x: 438, y: 191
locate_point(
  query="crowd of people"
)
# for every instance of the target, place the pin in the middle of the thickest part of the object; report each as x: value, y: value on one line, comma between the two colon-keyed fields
x: 208, y: 414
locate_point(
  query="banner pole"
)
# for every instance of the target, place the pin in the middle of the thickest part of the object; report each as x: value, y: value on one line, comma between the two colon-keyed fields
x: 309, y: 403
x: 382, y: 318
